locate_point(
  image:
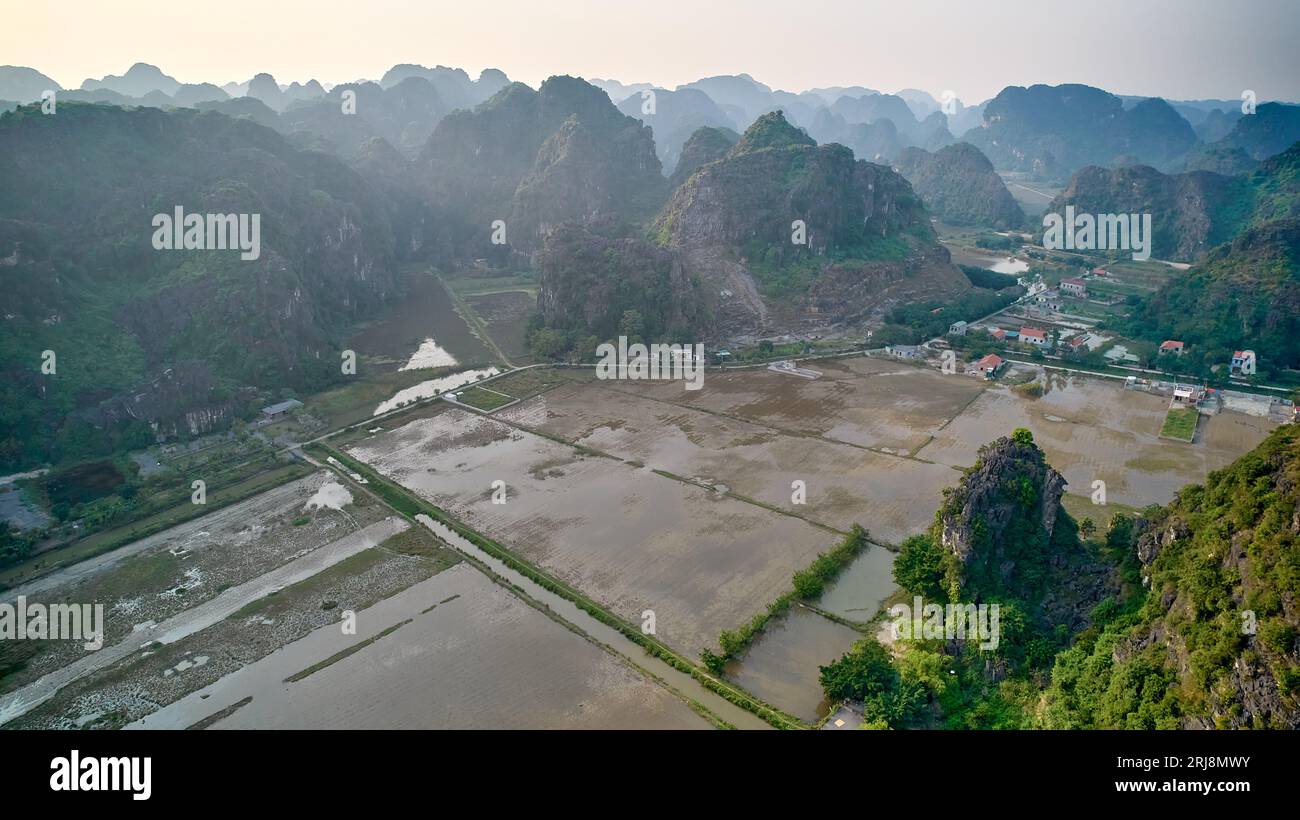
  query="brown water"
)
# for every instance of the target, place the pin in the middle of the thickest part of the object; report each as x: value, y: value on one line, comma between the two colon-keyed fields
x: 1094, y: 429
x: 782, y: 666
x: 424, y: 313
x: 863, y: 586
x: 465, y: 654
x: 630, y: 538
x: 845, y: 485
x: 607, y: 635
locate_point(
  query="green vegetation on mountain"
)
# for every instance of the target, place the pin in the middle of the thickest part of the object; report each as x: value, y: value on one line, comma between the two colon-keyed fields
x: 777, y: 231
x: 777, y: 174
x: 154, y: 342
x: 595, y: 288
x: 1051, y: 131
x: 1184, y: 617
x: 1190, y: 212
x: 958, y: 185
x: 1209, y: 638
x: 1270, y: 130
x: 1242, y: 295
x: 705, y: 145
x: 534, y: 159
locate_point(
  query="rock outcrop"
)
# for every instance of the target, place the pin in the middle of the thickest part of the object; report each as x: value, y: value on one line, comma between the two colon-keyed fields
x: 704, y: 146
x: 533, y: 159
x: 960, y: 187
x: 1051, y: 131
x: 790, y: 237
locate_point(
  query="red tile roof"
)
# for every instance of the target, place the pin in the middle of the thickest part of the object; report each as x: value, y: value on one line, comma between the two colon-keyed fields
x: 990, y: 361
x: 1036, y: 332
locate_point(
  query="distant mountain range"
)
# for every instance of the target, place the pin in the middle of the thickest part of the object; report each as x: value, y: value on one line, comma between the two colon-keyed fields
x: 722, y: 210
x: 1047, y: 131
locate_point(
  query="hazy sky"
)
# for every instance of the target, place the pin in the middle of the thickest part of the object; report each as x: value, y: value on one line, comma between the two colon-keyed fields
x: 1174, y: 48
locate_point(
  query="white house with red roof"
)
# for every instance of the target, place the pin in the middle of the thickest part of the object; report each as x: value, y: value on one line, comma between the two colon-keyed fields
x: 1033, y: 335
x: 1172, y: 346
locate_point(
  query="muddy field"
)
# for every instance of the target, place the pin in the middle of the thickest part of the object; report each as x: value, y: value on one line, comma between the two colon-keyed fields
x: 160, y: 577
x: 424, y: 312
x: 876, y: 403
x: 138, y: 683
x: 506, y: 316
x: 891, y: 497
x: 1093, y: 429
x: 630, y: 538
x: 642, y: 495
x: 453, y: 652
x: 1090, y: 428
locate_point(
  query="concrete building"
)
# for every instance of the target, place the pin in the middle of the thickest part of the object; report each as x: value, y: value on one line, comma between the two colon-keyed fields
x: 1033, y: 336
x: 905, y: 351
x: 1074, y: 287
x: 279, y: 410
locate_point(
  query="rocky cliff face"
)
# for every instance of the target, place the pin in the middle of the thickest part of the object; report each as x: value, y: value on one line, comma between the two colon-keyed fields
x: 581, y: 175
x: 675, y: 117
x: 537, y: 158
x: 1010, y: 540
x: 1190, y: 213
x: 1272, y: 129
x: 788, y: 236
x: 958, y: 185
x: 1225, y: 614
x: 1011, y: 484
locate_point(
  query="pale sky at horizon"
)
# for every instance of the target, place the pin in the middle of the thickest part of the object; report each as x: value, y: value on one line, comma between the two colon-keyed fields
x: 1178, y: 49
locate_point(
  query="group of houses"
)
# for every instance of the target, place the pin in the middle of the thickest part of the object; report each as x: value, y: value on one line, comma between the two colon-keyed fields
x: 1027, y: 334
x: 1242, y: 362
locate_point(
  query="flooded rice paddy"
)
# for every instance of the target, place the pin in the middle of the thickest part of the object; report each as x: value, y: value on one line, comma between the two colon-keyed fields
x: 432, y: 387
x: 463, y: 653
x: 425, y: 314
x: 641, y: 495
x: 782, y: 667
x: 632, y: 539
